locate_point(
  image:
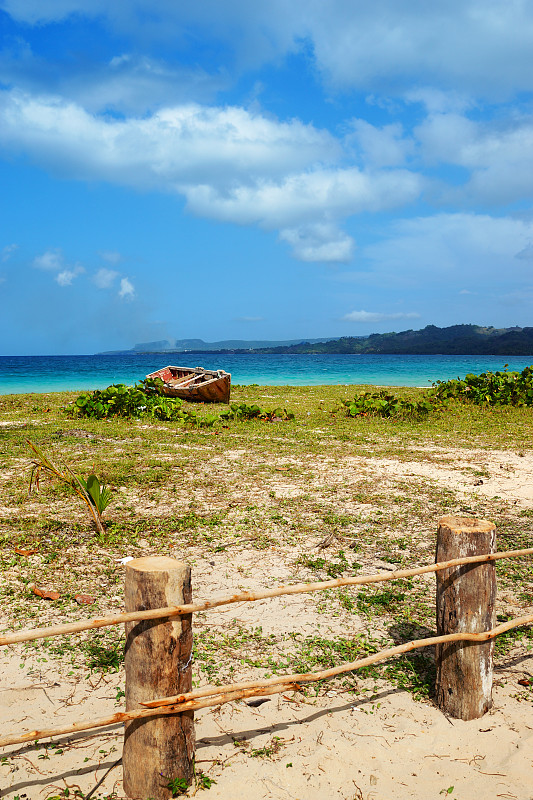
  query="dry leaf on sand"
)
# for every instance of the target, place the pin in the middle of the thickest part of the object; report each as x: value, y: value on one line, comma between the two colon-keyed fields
x: 45, y: 593
x: 84, y: 599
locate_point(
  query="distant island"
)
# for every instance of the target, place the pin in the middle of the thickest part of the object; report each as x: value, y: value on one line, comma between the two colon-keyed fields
x: 199, y: 346
x: 431, y: 340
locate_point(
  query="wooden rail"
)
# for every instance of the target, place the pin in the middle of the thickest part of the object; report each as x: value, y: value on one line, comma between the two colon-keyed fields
x: 246, y: 597
x: 159, y: 727
x: 216, y: 696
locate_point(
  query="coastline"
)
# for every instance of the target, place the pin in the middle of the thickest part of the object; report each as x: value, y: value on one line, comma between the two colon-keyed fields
x: 41, y: 374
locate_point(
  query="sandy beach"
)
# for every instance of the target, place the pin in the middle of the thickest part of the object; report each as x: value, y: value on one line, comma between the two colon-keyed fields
x: 371, y: 740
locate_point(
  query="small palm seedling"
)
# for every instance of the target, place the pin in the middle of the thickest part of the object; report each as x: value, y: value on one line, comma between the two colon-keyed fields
x: 94, y: 494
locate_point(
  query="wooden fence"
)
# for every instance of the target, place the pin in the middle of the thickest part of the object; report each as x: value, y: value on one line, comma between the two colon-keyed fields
x: 160, y: 702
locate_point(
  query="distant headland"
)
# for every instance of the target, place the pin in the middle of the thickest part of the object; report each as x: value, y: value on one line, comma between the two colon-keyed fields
x: 431, y: 340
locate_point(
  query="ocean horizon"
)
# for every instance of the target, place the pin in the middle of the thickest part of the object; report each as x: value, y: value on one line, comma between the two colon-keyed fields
x: 42, y: 374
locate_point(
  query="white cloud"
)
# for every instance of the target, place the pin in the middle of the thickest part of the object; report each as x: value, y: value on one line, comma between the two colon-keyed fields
x: 376, y: 316
x: 481, y: 45
x: 127, y: 289
x: 135, y: 84
x: 230, y: 164
x: 437, y: 101
x: 111, y: 256
x: 165, y: 150
x: 319, y: 242
x: 303, y: 197
x: 105, y: 278
x: 526, y: 254
x: 35, y: 11
x: 379, y: 147
x: 66, y: 276
x: 50, y: 260
x: 128, y: 84
x: 8, y: 251
x: 53, y: 261
x: 497, y: 154
x: 441, y: 248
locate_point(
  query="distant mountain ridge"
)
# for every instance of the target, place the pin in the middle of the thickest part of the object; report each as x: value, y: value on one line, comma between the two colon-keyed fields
x: 431, y: 340
x: 199, y: 346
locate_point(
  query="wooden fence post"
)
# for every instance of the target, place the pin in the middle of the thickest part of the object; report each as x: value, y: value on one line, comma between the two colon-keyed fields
x: 466, y: 599
x: 158, y: 664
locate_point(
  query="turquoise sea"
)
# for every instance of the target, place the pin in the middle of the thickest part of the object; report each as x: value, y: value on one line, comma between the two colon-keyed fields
x: 21, y: 374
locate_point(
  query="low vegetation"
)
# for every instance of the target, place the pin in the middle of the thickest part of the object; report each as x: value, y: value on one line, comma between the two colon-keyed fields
x: 490, y: 388
x: 147, y: 400
x: 385, y: 404
x: 325, y: 490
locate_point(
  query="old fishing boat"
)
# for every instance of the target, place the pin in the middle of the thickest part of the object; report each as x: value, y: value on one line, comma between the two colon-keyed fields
x: 195, y: 383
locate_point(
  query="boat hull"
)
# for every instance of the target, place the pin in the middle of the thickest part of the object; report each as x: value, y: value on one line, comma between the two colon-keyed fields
x: 195, y: 384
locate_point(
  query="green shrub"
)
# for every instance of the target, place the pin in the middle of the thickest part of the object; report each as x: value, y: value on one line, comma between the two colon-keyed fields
x: 490, y: 388
x: 244, y: 411
x: 145, y: 399
x: 384, y: 404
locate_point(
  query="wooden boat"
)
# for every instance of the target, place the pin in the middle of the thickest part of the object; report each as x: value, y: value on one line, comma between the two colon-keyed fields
x: 195, y: 383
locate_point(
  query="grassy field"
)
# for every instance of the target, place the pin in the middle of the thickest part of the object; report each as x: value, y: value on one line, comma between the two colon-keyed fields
x: 255, y: 503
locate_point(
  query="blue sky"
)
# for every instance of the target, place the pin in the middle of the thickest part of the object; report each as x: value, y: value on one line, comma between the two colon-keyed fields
x: 261, y: 170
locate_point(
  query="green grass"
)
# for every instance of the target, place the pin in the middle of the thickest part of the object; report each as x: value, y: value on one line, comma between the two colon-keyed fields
x: 276, y: 490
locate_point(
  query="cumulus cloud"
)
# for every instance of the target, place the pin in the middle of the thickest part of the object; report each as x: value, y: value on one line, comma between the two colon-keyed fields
x: 484, y: 47
x: 128, y: 84
x: 497, y: 154
x: 300, y: 198
x: 127, y: 289
x: 526, y: 254
x: 379, y: 147
x: 53, y: 261
x: 105, y: 278
x: 111, y: 256
x: 319, y: 242
x: 230, y: 164
x: 442, y: 247
x: 50, y: 260
x: 8, y: 251
x: 133, y: 84
x: 242, y: 166
x: 164, y: 150
x: 66, y: 276
x: 376, y: 316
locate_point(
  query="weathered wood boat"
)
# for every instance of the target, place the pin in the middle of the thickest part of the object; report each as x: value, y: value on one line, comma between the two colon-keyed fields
x: 195, y: 383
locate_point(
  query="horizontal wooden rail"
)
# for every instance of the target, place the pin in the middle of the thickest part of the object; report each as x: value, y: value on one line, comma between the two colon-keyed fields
x: 243, y: 597
x: 247, y: 596
x: 216, y: 696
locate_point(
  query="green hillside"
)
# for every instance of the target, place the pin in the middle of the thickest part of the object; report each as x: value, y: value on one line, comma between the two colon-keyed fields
x: 431, y: 340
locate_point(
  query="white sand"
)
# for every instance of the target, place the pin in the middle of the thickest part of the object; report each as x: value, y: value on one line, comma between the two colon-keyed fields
x: 388, y: 747
x: 385, y: 748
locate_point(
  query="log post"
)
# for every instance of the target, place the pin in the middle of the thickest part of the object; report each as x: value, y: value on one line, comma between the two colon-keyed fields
x: 466, y: 599
x: 158, y: 664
